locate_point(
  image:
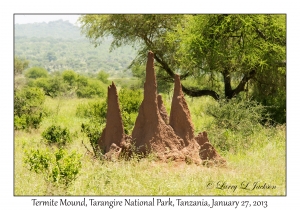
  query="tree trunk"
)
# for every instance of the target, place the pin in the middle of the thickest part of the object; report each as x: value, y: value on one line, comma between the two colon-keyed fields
x: 227, y: 84
x: 229, y: 92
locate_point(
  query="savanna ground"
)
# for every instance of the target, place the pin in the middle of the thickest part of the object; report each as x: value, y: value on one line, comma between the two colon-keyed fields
x: 256, y: 157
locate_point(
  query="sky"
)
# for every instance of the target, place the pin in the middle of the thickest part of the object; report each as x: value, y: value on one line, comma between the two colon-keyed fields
x: 38, y: 18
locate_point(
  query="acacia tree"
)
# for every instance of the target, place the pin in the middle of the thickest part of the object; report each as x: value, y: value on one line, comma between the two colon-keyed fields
x: 240, y: 49
x: 231, y: 49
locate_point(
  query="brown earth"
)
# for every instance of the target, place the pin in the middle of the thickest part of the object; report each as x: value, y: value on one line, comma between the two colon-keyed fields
x: 201, y: 138
x: 113, y: 133
x: 180, y: 117
x: 208, y: 153
x: 151, y: 132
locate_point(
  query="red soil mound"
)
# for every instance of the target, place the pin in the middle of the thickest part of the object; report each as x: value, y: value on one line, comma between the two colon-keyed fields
x: 180, y: 118
x: 152, y: 133
x: 208, y: 153
x: 113, y: 135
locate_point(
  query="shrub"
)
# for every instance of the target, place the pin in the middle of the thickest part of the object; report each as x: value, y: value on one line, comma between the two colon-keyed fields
x: 238, y: 115
x: 57, y: 134
x: 275, y: 103
x: 93, y: 109
x: 94, y: 88
x: 36, y: 72
x: 234, y: 123
x: 38, y: 160
x: 52, y: 86
x: 93, y: 131
x: 59, y: 168
x: 42, y: 83
x: 103, y: 76
x: 85, y: 92
x: 128, y: 121
x: 82, y: 81
x: 66, y: 167
x: 130, y: 101
x: 70, y: 77
x: 28, y: 108
x: 96, y: 112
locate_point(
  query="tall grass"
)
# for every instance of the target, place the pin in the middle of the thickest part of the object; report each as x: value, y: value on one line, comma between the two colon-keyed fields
x: 262, y: 161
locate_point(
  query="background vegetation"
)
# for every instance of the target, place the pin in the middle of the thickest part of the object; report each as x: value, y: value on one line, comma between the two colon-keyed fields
x: 226, y: 55
x: 58, y: 46
x: 60, y: 111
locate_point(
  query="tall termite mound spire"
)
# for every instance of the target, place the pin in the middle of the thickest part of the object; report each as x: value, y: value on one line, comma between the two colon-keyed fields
x: 150, y: 132
x: 113, y: 133
x: 180, y: 117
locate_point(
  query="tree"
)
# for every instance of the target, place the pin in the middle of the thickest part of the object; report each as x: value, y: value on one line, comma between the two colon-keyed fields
x: 239, y: 48
x: 70, y: 77
x: 20, y: 65
x: 103, y: 76
x: 234, y: 50
x: 36, y: 72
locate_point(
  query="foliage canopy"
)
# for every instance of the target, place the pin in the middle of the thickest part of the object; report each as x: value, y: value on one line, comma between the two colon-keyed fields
x: 36, y: 72
x: 225, y: 54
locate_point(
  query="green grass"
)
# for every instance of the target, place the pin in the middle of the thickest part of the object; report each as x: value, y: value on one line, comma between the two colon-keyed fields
x: 264, y: 161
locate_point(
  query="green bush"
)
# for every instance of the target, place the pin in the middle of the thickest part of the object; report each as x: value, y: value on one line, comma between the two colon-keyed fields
x: 93, y: 89
x: 94, y: 109
x: 103, y: 76
x: 238, y: 115
x: 36, y: 72
x: 93, y: 131
x: 70, y: 77
x: 276, y: 104
x: 96, y: 113
x: 130, y: 101
x: 66, y: 167
x: 28, y: 108
x: 59, y: 168
x: 235, y: 121
x: 81, y: 81
x: 38, y: 160
x: 52, y: 86
x: 57, y: 134
x: 128, y: 121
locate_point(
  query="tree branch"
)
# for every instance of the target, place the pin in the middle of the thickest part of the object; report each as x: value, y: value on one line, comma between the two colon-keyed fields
x: 241, y: 86
x: 164, y: 65
x: 198, y: 93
